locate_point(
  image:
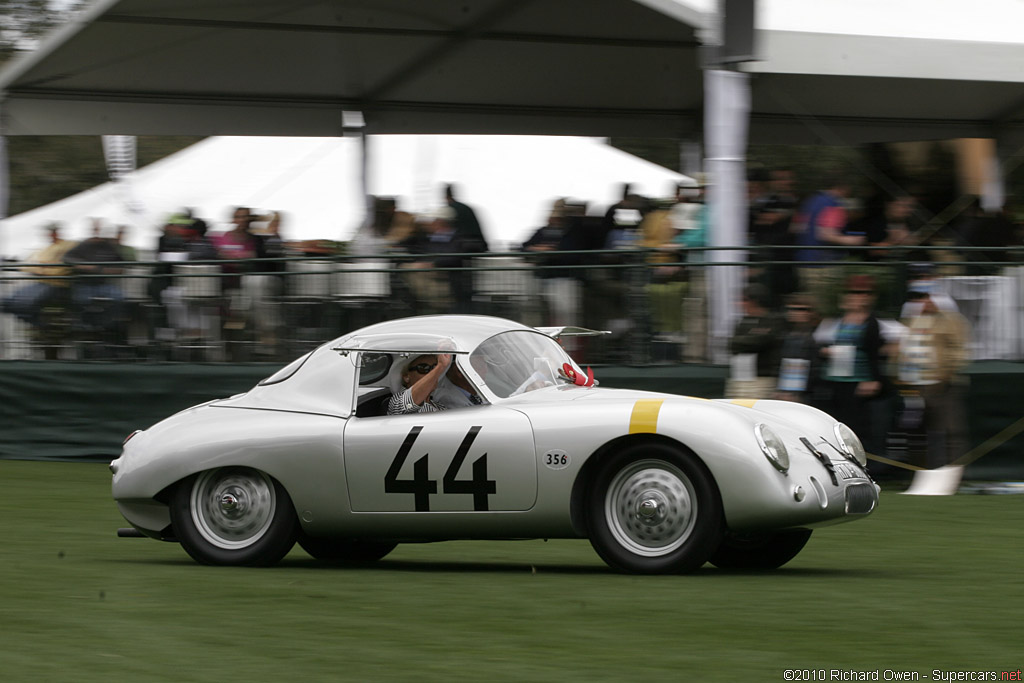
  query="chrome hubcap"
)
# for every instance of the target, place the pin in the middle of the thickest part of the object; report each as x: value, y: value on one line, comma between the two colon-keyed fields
x: 233, y: 507
x: 651, y: 507
x: 229, y: 503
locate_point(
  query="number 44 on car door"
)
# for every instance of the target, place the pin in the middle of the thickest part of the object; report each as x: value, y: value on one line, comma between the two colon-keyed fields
x: 475, y: 459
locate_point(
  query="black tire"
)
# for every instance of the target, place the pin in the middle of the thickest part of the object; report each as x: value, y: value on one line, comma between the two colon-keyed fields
x: 768, y: 550
x: 345, y: 550
x: 654, y: 509
x: 234, y: 516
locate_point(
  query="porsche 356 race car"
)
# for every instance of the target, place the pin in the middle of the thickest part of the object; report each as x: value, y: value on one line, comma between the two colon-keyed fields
x: 657, y: 482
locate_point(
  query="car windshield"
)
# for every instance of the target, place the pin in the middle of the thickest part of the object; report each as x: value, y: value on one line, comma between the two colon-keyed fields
x: 515, y: 362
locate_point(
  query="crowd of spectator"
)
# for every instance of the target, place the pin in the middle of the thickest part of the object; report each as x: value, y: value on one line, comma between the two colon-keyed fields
x: 898, y: 384
x: 881, y: 349
x: 842, y: 310
x: 206, y: 287
x: 832, y: 311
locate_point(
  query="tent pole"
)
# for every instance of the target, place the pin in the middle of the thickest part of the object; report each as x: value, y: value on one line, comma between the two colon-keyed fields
x: 728, y: 42
x: 727, y: 109
x: 353, y: 124
x: 5, y: 185
x: 364, y: 179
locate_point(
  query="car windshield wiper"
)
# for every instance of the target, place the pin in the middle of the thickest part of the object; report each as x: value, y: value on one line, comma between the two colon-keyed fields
x: 825, y: 460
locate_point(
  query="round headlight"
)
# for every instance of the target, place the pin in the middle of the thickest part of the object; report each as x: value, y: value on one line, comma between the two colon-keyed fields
x: 850, y: 444
x: 772, y: 446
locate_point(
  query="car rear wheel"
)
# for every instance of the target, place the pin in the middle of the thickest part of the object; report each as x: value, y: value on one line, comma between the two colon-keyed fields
x: 344, y: 549
x: 768, y: 550
x: 234, y: 516
x: 654, y: 509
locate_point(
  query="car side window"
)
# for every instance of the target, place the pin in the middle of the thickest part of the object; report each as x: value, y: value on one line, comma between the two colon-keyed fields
x: 373, y: 368
x: 373, y: 403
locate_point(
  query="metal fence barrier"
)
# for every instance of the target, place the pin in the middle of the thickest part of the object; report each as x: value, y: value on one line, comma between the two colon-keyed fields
x: 654, y: 303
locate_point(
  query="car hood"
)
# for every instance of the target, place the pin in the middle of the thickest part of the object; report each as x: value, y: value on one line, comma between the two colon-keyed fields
x: 797, y: 418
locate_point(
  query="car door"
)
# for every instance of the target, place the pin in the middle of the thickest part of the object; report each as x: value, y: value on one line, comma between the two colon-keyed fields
x: 473, y: 459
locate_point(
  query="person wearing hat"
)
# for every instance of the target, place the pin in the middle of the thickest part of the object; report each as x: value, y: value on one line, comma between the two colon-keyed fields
x: 417, y: 379
x: 429, y: 383
x: 931, y: 357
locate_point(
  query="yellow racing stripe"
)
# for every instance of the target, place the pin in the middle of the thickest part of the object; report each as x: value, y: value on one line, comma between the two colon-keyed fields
x: 745, y: 402
x: 645, y: 416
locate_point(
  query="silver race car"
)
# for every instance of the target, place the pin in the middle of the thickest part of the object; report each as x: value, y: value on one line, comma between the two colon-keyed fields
x: 657, y: 482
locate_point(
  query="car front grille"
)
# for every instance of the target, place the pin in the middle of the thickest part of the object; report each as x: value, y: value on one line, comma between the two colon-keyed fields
x: 860, y: 499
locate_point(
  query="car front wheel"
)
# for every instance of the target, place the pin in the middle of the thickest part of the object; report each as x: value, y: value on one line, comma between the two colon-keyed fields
x: 654, y: 509
x: 234, y: 516
x: 767, y: 550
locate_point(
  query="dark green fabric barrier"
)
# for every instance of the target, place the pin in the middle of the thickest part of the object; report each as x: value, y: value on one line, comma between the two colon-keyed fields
x: 83, y: 411
x: 995, y: 410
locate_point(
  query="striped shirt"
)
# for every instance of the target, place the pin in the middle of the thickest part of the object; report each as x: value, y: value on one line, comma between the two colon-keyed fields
x: 402, y: 403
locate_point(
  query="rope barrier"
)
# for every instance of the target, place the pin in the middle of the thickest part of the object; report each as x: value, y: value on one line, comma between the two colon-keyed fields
x: 991, y: 444
x: 894, y: 463
x: 973, y: 455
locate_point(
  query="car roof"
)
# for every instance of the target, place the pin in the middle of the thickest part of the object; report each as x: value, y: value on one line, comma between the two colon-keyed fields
x: 324, y: 380
x: 467, y: 331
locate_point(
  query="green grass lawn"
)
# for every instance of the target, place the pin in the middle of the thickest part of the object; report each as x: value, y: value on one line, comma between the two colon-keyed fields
x: 924, y: 584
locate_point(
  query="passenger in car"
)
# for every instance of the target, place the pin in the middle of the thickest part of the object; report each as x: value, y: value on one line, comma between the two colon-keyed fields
x: 419, y: 378
x: 455, y: 391
x: 429, y: 384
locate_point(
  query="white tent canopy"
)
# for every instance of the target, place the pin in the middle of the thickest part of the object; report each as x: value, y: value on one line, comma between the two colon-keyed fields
x: 567, y: 67
x: 315, y: 182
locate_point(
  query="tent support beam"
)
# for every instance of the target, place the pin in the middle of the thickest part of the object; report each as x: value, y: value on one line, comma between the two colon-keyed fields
x: 457, y: 40
x: 497, y: 36
x: 207, y: 98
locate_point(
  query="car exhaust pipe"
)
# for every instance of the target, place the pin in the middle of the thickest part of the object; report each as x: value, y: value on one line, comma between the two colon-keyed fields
x: 130, y: 532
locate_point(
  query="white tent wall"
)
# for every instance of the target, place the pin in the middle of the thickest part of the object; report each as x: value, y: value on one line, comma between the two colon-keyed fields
x: 315, y: 183
x: 510, y: 180
x: 210, y: 178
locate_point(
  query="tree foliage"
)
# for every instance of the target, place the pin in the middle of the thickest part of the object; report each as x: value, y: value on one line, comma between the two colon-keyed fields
x: 871, y: 169
x: 44, y: 169
x: 25, y: 21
